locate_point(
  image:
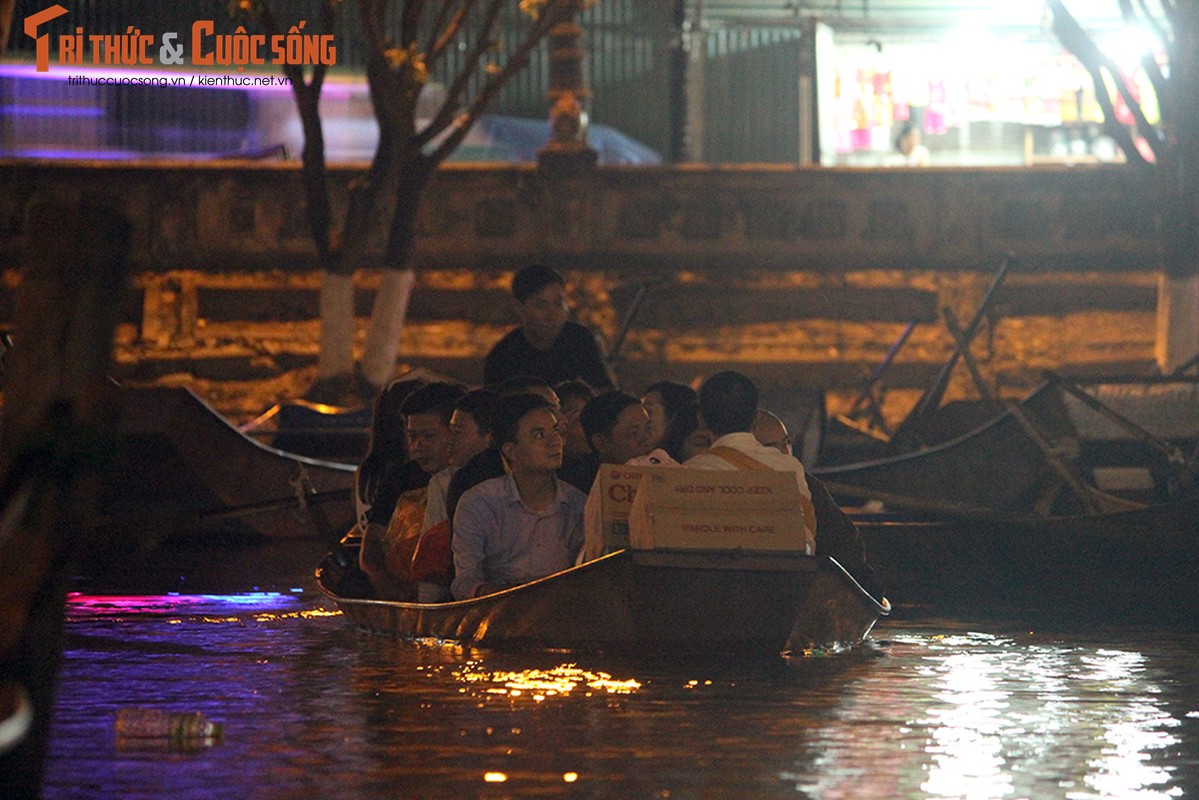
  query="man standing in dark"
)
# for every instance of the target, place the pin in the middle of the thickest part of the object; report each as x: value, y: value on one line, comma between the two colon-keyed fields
x: 547, y: 344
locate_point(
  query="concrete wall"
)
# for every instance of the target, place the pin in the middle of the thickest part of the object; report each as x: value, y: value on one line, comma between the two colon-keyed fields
x: 223, y: 216
x: 800, y: 276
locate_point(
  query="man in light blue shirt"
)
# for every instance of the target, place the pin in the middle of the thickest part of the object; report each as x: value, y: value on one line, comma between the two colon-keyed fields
x: 523, y: 525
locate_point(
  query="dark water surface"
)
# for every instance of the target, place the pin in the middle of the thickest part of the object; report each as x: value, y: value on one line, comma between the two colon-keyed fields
x: 315, y: 709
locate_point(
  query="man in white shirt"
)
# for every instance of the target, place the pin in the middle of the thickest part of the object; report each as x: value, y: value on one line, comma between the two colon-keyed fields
x: 728, y: 405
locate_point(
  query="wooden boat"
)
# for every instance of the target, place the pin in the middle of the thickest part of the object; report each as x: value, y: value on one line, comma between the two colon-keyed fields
x: 1140, y: 564
x: 181, y: 468
x: 997, y: 466
x: 638, y: 601
x: 1125, y: 424
x: 315, y: 430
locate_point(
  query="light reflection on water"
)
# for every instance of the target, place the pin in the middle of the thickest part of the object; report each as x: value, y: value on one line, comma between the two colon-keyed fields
x: 312, y: 708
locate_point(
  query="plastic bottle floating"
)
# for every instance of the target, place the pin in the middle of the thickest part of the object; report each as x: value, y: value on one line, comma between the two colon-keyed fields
x: 158, y: 729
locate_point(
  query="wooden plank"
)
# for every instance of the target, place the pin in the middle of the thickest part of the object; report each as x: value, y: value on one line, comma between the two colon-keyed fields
x: 129, y: 308
x: 271, y: 304
x: 704, y: 306
x: 1058, y: 299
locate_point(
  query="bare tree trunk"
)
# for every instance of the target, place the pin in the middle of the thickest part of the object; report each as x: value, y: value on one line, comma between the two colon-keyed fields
x: 6, y: 7
x: 336, y: 359
x: 387, y: 324
x: 391, y: 303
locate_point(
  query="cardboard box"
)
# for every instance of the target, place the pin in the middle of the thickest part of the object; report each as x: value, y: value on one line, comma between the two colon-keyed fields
x: 618, y: 486
x: 692, y: 509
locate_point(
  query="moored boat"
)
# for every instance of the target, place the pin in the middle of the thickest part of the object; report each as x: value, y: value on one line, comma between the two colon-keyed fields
x: 182, y: 468
x: 1139, y: 564
x: 997, y: 466
x: 1128, y: 424
x: 641, y: 600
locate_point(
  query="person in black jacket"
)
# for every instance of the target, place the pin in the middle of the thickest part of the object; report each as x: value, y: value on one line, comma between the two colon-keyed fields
x: 547, y: 344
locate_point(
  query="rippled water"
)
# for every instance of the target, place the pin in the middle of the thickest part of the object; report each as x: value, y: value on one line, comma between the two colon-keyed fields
x: 315, y: 709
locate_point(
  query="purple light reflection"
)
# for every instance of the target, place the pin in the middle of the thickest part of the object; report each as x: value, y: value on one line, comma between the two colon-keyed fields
x: 81, y: 605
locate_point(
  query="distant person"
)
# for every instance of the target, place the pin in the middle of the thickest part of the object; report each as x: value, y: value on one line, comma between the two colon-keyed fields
x: 523, y: 525
x: 619, y: 432
x: 387, y: 450
x: 547, y: 344
x: 573, y: 395
x: 663, y: 401
x: 393, y: 521
x: 693, y: 438
x: 470, y: 434
x: 489, y: 463
x: 771, y: 432
x: 909, y: 152
x: 728, y: 405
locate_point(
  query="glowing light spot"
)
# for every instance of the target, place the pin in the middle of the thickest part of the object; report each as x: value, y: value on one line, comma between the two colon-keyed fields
x: 495, y: 777
x: 543, y: 684
x: 570, y: 777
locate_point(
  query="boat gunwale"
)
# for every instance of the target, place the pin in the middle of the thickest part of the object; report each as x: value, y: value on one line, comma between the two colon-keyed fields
x: 798, y: 563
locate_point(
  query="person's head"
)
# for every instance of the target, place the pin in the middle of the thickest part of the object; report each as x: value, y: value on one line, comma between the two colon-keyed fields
x: 573, y: 395
x: 525, y: 427
x: 693, y: 439
x: 540, y: 295
x: 770, y: 431
x: 727, y: 403
x: 528, y: 384
x: 663, y: 401
x: 386, y: 419
x: 907, y: 138
x: 616, y: 426
x: 470, y: 426
x: 388, y: 439
x: 427, y: 413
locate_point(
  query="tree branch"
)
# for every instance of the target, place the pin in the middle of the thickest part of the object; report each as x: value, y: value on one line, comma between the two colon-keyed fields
x: 445, y: 115
x: 1148, y: 62
x: 438, y: 42
x: 410, y: 21
x: 307, y: 95
x: 553, y: 14
x: 1076, y: 40
x: 370, y: 13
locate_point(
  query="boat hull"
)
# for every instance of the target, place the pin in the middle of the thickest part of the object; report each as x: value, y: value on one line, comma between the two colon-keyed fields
x: 997, y: 466
x: 182, y: 470
x: 645, y: 600
x: 1138, y: 565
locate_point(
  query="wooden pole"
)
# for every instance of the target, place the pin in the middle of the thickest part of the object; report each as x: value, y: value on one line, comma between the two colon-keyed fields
x: 959, y: 337
x: 908, y: 436
x: 54, y: 438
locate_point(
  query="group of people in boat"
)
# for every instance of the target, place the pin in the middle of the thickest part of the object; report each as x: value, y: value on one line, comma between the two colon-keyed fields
x: 467, y: 492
